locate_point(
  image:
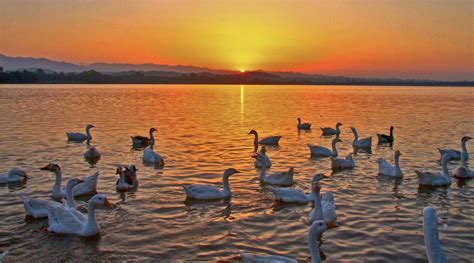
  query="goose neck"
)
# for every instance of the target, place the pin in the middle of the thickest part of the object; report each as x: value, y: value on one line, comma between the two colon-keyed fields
x: 312, y: 245
x: 91, y: 225
x: 318, y: 206
x: 434, y: 251
x: 225, y: 180
x: 334, y: 148
x: 70, y: 196
x: 57, y: 182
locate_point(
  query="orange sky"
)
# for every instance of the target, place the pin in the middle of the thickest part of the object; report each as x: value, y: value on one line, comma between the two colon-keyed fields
x: 403, y: 38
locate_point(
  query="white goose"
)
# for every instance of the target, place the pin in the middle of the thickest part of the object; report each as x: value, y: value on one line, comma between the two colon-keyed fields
x: 342, y: 164
x: 361, y: 143
x: 207, y: 192
x: 315, y: 230
x: 79, y: 136
x: 463, y: 172
x: 278, y: 178
x: 323, y: 151
x: 92, y: 153
x: 152, y: 157
x: 292, y: 195
x: 37, y: 208
x: 88, y: 187
x: 455, y: 154
x: 324, y: 209
x: 435, y: 179
x: 434, y: 250
x: 15, y: 175
x: 65, y: 221
x: 303, y: 126
x: 386, y: 169
x: 331, y: 131
x: 126, y: 183
x: 263, y: 152
x: 272, y: 140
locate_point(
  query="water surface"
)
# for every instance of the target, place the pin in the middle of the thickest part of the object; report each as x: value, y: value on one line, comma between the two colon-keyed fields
x: 202, y: 130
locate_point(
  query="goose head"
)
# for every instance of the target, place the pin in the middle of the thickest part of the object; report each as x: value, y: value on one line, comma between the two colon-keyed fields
x: 299, y: 120
x: 336, y: 140
x: 254, y: 132
x: 338, y: 124
x: 52, y: 167
x: 353, y: 129
x: 132, y: 169
x: 89, y: 126
x: 321, y: 226
x: 465, y: 139
x: 119, y: 170
x: 398, y: 153
x: 317, y: 177
x: 73, y: 182
x: 153, y: 130
x: 100, y: 200
x: 391, y: 128
x: 230, y: 172
x: 291, y: 171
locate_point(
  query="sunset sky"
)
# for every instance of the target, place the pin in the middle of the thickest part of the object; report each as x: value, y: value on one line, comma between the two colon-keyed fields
x: 399, y: 38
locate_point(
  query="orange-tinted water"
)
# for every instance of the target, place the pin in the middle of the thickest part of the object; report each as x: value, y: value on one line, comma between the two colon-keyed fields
x: 201, y: 131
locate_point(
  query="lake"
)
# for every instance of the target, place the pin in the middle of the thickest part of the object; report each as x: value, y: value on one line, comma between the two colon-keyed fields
x: 202, y: 130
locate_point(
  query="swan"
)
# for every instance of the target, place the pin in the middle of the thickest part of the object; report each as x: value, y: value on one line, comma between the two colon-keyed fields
x: 64, y: 221
x: 315, y: 230
x: 122, y: 183
x: 150, y: 156
x: 323, y: 151
x: 88, y: 187
x: 207, y: 192
x: 142, y: 140
x: 15, y: 175
x: 37, y: 208
x: 389, y: 170
x: 79, y: 136
x: 263, y: 152
x: 331, y: 131
x: 272, y: 140
x: 324, y: 209
x: 361, y: 143
x: 342, y: 164
x: 292, y: 195
x: 436, y: 179
x: 463, y: 172
x: 92, y: 153
x: 455, y: 154
x: 434, y: 250
x: 303, y: 126
x: 278, y: 178
x: 383, y: 138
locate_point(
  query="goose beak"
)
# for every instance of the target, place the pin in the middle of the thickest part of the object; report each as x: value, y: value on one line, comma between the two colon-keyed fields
x: 107, y: 203
x: 237, y: 171
x: 331, y: 225
x: 255, y: 156
x: 468, y: 138
x: 45, y: 167
x: 79, y: 180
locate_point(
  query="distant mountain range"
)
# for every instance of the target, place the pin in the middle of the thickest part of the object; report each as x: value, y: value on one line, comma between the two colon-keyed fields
x: 20, y: 63
x: 42, y: 70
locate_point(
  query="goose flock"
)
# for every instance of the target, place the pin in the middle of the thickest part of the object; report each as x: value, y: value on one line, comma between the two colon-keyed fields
x: 65, y: 216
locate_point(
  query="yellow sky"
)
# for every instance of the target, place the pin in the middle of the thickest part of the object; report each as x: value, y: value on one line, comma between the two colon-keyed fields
x: 405, y: 38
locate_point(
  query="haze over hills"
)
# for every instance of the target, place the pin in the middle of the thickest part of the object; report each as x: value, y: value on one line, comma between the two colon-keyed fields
x: 64, y: 72
x: 20, y: 63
